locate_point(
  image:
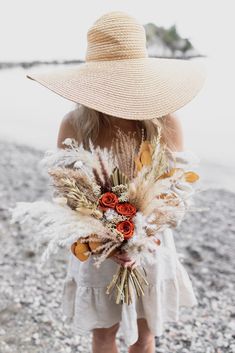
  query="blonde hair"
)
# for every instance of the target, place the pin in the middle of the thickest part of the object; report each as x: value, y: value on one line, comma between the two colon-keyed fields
x: 89, y: 122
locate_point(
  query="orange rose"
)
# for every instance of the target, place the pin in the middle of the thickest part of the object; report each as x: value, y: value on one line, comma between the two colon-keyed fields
x: 126, y: 209
x: 108, y: 200
x: 126, y: 228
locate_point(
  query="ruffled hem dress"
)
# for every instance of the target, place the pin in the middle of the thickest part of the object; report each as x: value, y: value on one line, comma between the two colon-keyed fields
x: 87, y: 306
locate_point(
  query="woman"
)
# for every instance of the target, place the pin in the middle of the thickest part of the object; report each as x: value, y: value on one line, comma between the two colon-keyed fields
x: 73, y: 126
x: 120, y: 87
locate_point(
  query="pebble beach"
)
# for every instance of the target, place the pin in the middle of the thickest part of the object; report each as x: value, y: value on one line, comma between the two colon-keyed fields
x: 31, y: 319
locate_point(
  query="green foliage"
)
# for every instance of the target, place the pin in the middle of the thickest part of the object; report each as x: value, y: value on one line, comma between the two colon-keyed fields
x: 170, y: 37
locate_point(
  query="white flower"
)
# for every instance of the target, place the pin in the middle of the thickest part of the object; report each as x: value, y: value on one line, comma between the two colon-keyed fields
x: 110, y: 214
x: 78, y: 164
x: 68, y: 141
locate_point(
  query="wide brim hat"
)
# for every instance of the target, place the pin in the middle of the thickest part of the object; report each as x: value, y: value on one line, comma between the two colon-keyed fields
x: 120, y: 79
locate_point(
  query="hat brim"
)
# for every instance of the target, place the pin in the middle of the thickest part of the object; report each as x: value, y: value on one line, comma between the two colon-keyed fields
x: 140, y: 89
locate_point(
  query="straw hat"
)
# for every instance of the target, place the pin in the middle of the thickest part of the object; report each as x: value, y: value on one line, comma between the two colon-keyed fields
x: 118, y: 78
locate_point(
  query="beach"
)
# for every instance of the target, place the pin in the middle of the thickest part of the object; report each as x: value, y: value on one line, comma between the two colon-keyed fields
x: 31, y: 317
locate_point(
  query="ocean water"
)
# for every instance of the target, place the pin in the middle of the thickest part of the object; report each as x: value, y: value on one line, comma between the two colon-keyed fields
x: 30, y: 114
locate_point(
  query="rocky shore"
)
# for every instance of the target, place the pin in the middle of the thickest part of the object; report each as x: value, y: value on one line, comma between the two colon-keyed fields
x: 31, y: 320
x: 161, y: 42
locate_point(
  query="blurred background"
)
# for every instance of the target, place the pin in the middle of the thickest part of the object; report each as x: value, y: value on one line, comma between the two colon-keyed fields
x: 38, y: 36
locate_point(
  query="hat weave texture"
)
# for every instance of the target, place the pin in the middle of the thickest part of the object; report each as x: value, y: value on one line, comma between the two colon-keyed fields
x: 116, y: 37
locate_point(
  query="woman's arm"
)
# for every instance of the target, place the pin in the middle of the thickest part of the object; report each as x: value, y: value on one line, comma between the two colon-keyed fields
x: 173, y: 135
x: 66, y: 130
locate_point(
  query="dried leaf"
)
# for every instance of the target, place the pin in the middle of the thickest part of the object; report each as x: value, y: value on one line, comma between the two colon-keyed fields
x: 80, y: 250
x: 191, y: 177
x: 146, y: 158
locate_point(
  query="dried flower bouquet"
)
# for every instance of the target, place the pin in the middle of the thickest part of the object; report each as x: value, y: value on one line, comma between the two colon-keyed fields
x: 112, y: 202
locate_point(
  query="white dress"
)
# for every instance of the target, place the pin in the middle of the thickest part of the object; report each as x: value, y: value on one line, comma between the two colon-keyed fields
x: 88, y: 306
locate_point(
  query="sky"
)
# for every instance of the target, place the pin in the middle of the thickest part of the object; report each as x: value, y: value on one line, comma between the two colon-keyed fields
x: 56, y: 29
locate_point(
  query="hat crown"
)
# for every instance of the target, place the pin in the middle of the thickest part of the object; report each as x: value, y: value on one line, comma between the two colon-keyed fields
x: 116, y: 36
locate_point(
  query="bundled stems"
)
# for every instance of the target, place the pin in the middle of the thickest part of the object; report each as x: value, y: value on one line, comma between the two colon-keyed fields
x: 125, y: 282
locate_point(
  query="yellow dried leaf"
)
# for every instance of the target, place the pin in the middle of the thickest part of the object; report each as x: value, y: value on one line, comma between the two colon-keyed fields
x: 145, y: 146
x: 191, y: 177
x: 138, y: 164
x: 168, y: 174
x: 167, y: 196
x: 162, y: 196
x: 146, y: 158
x: 79, y: 249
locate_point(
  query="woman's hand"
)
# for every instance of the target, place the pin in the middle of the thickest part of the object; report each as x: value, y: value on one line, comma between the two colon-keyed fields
x: 122, y: 258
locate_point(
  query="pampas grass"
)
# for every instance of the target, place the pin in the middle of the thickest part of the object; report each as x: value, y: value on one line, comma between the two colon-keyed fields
x: 86, y: 185
x: 125, y: 148
x: 54, y: 223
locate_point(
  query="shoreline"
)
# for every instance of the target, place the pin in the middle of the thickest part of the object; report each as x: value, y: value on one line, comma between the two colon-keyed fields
x: 28, y: 64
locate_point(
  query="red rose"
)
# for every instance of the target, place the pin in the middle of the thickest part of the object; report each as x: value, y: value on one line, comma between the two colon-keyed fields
x: 126, y: 209
x: 108, y: 200
x: 126, y: 228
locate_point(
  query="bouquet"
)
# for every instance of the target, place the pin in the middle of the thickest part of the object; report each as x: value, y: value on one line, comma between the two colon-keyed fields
x: 105, y: 202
